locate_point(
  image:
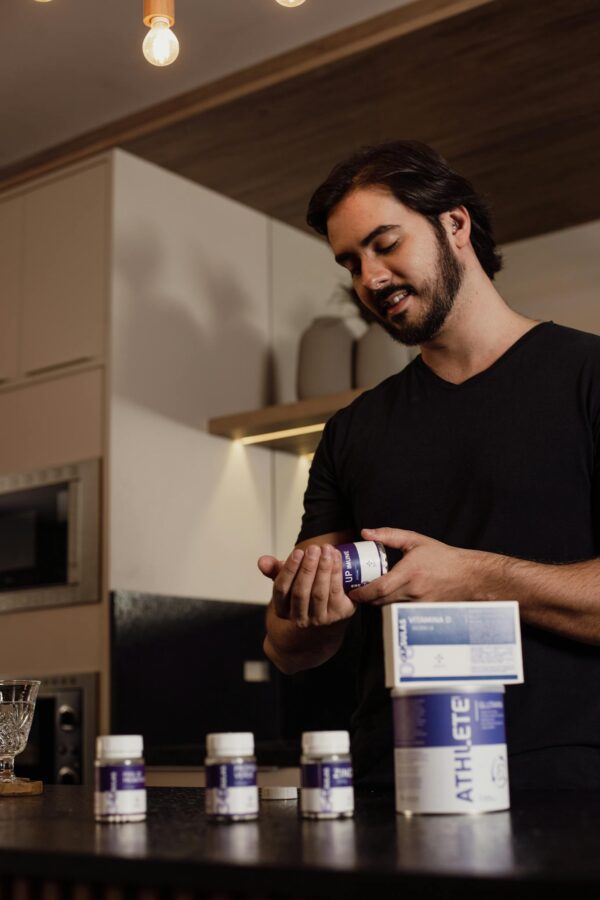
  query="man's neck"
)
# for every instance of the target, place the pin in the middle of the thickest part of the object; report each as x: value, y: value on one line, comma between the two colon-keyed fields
x: 479, y: 330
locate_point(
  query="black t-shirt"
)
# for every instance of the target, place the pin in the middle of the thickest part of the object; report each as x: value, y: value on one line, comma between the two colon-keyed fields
x: 506, y: 462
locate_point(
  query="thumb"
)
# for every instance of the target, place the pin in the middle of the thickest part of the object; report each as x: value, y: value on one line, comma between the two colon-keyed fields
x: 270, y: 566
x: 398, y: 538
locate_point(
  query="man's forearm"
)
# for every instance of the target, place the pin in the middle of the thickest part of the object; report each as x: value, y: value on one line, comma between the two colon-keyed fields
x: 293, y: 649
x: 560, y: 598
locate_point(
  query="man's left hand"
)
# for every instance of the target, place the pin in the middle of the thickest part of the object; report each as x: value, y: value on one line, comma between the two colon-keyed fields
x: 429, y: 570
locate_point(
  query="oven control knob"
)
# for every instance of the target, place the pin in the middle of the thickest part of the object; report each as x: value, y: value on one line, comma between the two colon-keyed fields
x: 67, y: 718
x: 67, y: 775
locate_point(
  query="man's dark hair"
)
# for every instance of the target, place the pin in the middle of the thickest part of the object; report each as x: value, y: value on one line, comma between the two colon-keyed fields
x: 418, y: 177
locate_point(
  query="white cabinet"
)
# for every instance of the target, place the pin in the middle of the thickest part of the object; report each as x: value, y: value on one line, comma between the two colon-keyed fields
x: 54, y: 266
x: 11, y: 246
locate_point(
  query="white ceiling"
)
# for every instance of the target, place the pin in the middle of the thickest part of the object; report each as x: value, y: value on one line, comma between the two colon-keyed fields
x: 69, y: 66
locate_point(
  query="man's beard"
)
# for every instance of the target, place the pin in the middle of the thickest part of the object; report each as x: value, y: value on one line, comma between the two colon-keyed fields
x: 436, y: 297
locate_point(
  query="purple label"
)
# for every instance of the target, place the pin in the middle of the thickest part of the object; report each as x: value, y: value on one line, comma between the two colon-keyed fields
x: 351, y: 569
x: 449, y: 720
x: 120, y: 778
x: 327, y: 776
x: 225, y: 775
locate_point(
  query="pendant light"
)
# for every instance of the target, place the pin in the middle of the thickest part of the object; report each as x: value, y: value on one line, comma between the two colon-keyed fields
x: 160, y: 46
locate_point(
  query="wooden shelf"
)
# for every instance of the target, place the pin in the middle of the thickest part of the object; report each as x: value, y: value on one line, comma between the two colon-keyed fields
x: 273, y: 422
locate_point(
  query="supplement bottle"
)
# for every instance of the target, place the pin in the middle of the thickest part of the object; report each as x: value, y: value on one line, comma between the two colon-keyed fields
x: 120, y: 779
x: 231, y: 791
x: 362, y: 562
x: 326, y: 776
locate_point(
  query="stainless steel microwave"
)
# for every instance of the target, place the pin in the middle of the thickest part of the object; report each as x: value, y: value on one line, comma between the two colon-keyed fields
x: 50, y: 536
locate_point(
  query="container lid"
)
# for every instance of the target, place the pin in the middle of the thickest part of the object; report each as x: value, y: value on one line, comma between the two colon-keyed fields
x: 319, y: 742
x: 230, y: 743
x: 115, y: 746
x: 278, y: 793
x: 458, y: 688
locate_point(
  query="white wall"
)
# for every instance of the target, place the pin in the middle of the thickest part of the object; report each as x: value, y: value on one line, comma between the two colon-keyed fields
x: 304, y: 277
x: 189, y: 513
x: 555, y: 276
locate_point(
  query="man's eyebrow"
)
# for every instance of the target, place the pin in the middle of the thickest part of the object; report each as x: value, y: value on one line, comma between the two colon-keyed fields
x: 341, y: 258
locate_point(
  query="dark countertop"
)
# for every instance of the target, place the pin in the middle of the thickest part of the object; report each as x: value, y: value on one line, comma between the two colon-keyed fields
x: 545, y: 840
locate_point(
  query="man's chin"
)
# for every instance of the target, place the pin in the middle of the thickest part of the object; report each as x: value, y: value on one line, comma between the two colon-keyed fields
x: 401, y: 331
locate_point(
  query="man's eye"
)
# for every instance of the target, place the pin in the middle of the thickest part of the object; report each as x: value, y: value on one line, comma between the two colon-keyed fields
x: 388, y: 248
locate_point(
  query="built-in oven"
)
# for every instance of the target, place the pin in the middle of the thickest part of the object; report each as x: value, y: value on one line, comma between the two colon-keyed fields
x: 60, y: 749
x: 49, y: 536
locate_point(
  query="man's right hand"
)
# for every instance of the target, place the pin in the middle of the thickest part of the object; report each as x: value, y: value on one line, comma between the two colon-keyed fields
x: 307, y: 586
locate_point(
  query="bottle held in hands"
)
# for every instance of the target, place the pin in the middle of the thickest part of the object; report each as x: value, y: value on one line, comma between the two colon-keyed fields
x: 362, y: 562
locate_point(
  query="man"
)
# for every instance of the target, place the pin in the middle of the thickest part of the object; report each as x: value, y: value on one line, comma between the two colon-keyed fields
x: 477, y: 466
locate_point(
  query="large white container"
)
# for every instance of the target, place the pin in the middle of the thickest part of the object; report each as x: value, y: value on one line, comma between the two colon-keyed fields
x: 450, y: 749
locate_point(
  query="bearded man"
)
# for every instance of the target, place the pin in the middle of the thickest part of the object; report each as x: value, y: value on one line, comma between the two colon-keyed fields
x: 478, y: 467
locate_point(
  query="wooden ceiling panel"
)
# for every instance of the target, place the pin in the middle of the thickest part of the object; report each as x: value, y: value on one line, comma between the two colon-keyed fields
x: 508, y: 91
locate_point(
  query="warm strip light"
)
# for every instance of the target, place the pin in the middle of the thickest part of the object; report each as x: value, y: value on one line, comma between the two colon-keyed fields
x: 280, y: 435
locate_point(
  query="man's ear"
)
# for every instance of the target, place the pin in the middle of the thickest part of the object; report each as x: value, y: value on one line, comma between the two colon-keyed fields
x: 458, y: 225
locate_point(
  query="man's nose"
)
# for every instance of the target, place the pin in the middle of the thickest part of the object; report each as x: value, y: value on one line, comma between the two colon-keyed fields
x: 375, y: 277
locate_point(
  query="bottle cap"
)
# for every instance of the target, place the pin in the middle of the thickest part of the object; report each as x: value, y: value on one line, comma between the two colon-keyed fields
x: 278, y: 793
x: 230, y: 743
x: 320, y: 742
x: 115, y: 746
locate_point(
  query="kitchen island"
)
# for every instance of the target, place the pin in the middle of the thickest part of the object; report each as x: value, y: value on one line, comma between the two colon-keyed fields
x: 50, y: 847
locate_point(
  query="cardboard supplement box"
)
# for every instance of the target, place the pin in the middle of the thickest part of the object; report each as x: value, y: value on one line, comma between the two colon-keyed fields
x: 452, y: 643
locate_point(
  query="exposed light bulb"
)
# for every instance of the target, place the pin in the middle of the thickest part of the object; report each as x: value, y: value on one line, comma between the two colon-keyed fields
x: 160, y: 46
x: 290, y: 2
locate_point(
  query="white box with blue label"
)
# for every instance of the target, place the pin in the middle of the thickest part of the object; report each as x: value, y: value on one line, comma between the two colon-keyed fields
x: 427, y: 644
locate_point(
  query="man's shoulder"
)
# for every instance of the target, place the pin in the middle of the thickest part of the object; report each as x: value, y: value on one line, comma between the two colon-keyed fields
x: 573, y: 338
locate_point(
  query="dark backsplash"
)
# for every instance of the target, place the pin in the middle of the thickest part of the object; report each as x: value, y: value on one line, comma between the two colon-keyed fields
x: 177, y: 674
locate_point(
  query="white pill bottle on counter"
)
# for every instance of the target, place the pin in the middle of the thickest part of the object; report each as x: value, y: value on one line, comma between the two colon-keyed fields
x: 120, y: 778
x: 326, y: 776
x: 231, y: 789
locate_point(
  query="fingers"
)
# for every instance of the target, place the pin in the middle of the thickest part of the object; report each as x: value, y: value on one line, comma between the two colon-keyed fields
x: 283, y: 583
x: 329, y: 564
x: 270, y: 566
x: 390, y: 588
x: 393, y: 537
x: 306, y: 584
x: 303, y: 585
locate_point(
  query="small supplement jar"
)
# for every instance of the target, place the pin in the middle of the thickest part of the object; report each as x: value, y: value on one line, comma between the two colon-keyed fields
x: 362, y: 562
x: 326, y: 776
x: 231, y: 790
x: 120, y: 778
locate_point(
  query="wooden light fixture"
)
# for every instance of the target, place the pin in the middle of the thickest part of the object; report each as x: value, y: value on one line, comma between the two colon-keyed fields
x: 164, y: 8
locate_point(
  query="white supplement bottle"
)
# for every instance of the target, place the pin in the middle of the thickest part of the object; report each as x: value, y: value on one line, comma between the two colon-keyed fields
x: 362, y: 563
x: 120, y: 778
x: 231, y: 791
x: 327, y: 781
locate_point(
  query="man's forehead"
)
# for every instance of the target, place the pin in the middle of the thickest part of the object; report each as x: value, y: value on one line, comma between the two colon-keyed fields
x: 364, y: 214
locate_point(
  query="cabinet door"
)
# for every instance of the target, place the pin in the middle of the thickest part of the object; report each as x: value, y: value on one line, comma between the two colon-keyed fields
x: 65, y: 271
x: 11, y: 237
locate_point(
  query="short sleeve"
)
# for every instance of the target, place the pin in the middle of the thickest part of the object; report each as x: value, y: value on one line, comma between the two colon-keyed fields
x: 326, y: 508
